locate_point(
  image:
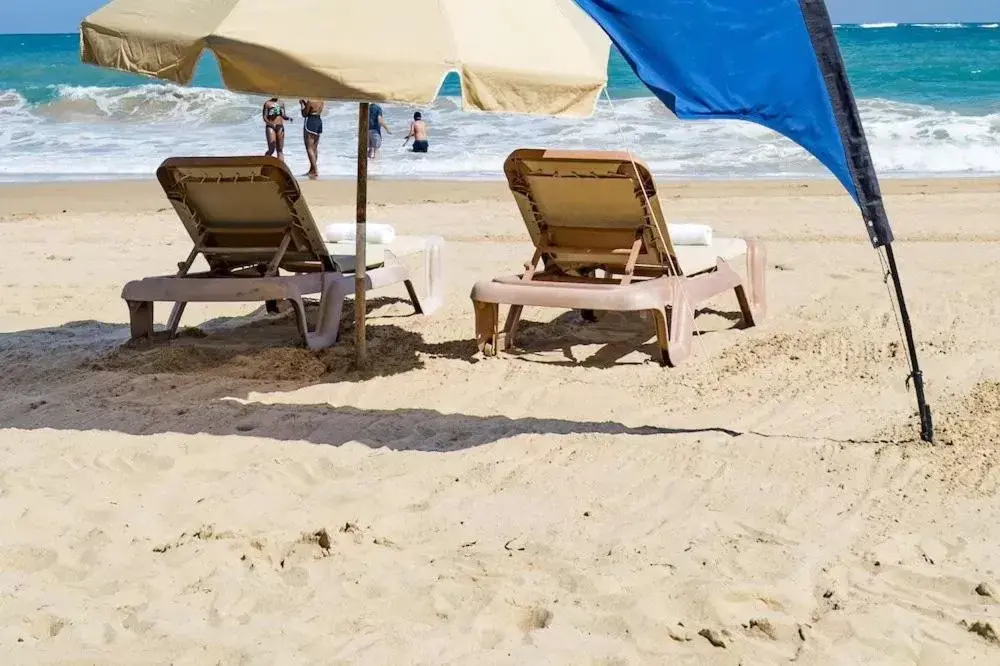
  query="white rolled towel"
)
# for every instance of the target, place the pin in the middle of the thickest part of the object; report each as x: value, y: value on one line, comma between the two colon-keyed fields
x: 690, y: 234
x: 376, y: 233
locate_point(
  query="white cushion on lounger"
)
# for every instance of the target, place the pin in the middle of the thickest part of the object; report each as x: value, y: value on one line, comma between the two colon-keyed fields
x: 378, y: 233
x: 689, y: 234
x: 697, y: 258
x: 343, y: 253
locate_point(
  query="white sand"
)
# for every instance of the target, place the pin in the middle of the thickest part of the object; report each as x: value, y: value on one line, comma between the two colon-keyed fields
x: 573, y: 503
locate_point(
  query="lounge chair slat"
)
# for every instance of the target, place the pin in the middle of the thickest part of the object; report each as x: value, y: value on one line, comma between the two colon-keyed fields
x: 269, y: 251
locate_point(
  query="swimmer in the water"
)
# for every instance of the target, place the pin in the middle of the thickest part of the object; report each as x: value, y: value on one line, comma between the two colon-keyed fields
x: 418, y: 132
x: 274, y: 127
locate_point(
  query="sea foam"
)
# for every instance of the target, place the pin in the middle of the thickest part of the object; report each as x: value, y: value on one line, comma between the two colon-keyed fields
x: 94, y: 132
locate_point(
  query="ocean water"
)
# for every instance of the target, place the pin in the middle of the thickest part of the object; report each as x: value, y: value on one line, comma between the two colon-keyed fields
x: 929, y: 96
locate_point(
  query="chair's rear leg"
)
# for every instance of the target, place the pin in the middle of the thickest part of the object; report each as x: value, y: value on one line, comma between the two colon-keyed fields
x: 590, y: 315
x: 175, y: 319
x: 747, y: 311
x: 299, y: 308
x: 487, y: 325
x: 753, y: 299
x: 510, y: 327
x: 140, y: 315
x: 417, y: 308
x: 662, y: 324
x: 675, y: 328
x: 331, y: 309
x: 681, y: 327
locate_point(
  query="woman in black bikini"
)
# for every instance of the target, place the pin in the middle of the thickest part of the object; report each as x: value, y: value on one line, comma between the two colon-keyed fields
x: 274, y: 127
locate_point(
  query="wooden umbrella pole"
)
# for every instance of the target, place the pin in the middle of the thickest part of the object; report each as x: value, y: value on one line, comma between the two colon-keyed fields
x: 361, y: 233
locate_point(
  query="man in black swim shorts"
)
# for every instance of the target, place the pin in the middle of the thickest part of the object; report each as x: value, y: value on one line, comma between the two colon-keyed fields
x: 418, y: 132
x: 311, y: 111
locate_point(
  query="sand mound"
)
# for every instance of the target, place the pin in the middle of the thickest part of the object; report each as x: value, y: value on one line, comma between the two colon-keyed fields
x: 175, y: 358
x: 238, y: 353
x: 972, y: 421
x: 841, y: 350
x: 966, y: 460
x: 975, y: 421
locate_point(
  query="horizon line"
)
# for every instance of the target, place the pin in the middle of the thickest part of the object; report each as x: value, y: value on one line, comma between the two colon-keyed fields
x: 836, y: 24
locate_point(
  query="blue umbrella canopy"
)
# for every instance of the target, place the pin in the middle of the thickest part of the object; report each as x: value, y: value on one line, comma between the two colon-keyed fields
x: 772, y: 62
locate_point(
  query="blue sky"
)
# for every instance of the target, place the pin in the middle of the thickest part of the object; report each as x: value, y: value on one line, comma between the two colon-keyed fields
x: 65, y: 15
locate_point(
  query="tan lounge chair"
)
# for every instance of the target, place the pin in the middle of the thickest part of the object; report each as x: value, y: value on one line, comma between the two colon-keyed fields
x: 249, y: 220
x: 598, y: 211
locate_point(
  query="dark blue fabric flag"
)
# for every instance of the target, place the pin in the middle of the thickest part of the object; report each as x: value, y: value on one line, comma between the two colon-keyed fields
x: 772, y: 62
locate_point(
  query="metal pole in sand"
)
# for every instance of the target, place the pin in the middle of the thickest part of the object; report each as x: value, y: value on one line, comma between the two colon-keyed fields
x: 361, y: 219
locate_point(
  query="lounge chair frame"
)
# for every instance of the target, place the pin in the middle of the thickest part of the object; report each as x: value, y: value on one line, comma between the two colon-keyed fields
x: 645, y: 276
x: 243, y: 270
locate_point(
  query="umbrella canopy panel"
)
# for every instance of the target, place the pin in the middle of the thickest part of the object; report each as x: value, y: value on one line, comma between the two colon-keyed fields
x: 525, y: 56
x: 772, y: 62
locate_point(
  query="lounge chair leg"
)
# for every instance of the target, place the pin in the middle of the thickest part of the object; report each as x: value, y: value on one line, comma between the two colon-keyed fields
x: 413, y: 296
x: 756, y: 294
x: 678, y: 320
x: 141, y: 319
x: 487, y: 323
x: 331, y: 309
x: 300, y: 319
x: 175, y: 320
x: 681, y: 318
x: 662, y: 338
x: 510, y: 327
x: 590, y: 315
x: 745, y: 308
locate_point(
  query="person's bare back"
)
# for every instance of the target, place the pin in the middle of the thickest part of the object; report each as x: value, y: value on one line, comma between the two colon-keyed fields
x: 418, y: 132
x: 311, y: 107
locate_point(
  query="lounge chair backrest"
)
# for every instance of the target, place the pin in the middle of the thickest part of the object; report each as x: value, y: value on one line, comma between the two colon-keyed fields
x: 241, y: 211
x: 586, y: 209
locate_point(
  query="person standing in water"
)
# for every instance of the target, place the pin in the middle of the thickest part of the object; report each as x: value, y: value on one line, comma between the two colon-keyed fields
x: 311, y: 111
x: 418, y: 132
x: 376, y: 123
x: 274, y: 127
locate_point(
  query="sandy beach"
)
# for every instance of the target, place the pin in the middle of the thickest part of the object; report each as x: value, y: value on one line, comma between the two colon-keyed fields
x: 231, y: 498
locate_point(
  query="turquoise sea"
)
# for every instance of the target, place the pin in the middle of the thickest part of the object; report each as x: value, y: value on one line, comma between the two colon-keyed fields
x: 929, y: 96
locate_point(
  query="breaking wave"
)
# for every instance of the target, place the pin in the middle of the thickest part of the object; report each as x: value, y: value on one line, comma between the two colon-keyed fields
x: 93, y: 132
x: 932, y: 26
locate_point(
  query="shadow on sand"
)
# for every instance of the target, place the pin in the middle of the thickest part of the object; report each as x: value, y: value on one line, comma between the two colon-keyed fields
x: 82, y: 376
x: 619, y: 334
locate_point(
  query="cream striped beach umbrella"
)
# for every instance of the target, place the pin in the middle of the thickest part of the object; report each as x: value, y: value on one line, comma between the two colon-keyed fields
x: 524, y: 56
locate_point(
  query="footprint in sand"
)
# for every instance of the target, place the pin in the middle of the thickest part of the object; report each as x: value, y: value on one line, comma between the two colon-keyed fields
x: 45, y: 626
x: 27, y: 559
x: 132, y: 622
x: 134, y: 463
x: 536, y: 618
x: 301, y: 472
